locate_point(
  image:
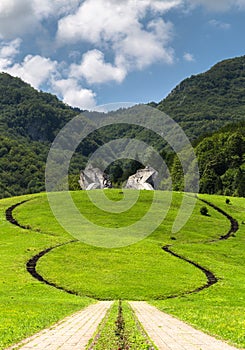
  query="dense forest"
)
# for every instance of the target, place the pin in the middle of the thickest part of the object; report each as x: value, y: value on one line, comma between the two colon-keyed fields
x: 206, y: 102
x: 29, y: 122
x: 221, y: 160
x: 202, y: 105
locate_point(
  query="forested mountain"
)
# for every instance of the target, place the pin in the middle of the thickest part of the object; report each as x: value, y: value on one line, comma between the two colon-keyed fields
x: 29, y: 121
x: 221, y: 160
x: 206, y: 102
x: 202, y: 104
x: 26, y: 112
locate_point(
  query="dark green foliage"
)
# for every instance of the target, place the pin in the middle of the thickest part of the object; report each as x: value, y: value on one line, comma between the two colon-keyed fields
x: 25, y: 111
x: 221, y: 159
x: 203, y: 104
x: 21, y: 167
x: 30, y: 120
x: 120, y: 170
x: 204, y: 211
x: 221, y: 163
x: 206, y: 102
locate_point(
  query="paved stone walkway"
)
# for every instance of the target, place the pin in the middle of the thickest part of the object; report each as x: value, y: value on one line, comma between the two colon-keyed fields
x: 168, y: 333
x: 73, y: 333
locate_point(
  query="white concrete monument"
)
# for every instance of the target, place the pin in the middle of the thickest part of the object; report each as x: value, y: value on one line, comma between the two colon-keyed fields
x: 144, y: 179
x: 93, y: 178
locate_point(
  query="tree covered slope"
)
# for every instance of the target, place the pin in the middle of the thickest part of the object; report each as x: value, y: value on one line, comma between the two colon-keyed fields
x: 206, y: 102
x: 202, y: 104
x: 221, y: 161
x: 25, y: 111
x: 29, y: 122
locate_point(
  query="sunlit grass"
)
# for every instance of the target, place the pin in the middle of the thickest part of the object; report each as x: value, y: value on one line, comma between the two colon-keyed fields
x: 26, y: 305
x: 142, y: 271
x: 219, y: 310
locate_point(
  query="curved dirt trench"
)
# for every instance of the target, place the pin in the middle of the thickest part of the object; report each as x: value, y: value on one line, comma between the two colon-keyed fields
x: 211, y: 278
x: 31, y: 264
x: 9, y: 215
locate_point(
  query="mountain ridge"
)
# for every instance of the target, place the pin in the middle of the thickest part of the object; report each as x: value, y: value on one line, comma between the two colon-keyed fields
x: 215, y: 97
x: 30, y: 120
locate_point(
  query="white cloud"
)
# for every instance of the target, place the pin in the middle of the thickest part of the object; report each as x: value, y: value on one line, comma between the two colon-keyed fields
x: 117, y: 26
x: 109, y: 25
x: 45, y: 8
x: 95, y: 70
x: 219, y: 24
x: 218, y: 5
x: 96, y: 21
x: 141, y: 50
x: 92, y: 20
x: 189, y: 57
x: 35, y: 70
x: 164, y: 6
x: 18, y: 16
x: 10, y: 49
x: 73, y: 94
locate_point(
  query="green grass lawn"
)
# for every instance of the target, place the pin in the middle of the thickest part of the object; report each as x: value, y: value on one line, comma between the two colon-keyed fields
x: 219, y: 310
x: 142, y: 271
x: 26, y: 305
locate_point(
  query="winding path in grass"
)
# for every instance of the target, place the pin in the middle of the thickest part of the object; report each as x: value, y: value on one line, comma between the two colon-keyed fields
x: 32, y: 263
x: 9, y: 215
x: 234, y: 224
x: 211, y: 278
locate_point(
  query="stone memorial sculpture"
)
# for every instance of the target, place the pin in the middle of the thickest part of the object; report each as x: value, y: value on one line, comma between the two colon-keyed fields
x: 93, y: 178
x: 144, y: 179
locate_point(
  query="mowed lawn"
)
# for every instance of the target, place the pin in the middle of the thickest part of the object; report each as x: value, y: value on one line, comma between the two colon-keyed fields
x: 219, y: 310
x: 142, y: 271
x: 26, y: 306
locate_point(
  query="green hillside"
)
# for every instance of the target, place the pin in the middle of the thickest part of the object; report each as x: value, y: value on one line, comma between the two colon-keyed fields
x: 202, y: 104
x: 221, y: 160
x: 25, y: 111
x: 206, y: 102
x: 29, y: 122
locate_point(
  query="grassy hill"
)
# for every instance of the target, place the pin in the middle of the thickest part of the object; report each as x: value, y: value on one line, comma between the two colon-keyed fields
x: 143, y: 271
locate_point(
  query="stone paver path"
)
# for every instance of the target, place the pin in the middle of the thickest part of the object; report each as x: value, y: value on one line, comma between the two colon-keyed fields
x: 168, y: 333
x: 73, y: 333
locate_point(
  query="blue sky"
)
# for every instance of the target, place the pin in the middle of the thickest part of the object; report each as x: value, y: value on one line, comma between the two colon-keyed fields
x: 93, y: 52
